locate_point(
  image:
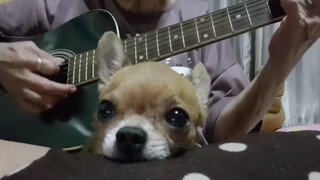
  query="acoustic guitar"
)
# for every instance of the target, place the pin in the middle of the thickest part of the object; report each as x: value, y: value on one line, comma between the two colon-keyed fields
x: 69, y: 125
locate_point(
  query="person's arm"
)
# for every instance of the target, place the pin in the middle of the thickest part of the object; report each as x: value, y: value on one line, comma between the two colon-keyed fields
x: 20, y: 66
x: 298, y: 31
x: 21, y: 63
x: 227, y: 81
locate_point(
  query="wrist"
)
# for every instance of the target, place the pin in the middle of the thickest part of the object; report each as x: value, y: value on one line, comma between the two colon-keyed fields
x: 275, y: 72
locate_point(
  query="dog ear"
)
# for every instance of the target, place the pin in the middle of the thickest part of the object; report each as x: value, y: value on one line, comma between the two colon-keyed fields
x: 202, y: 82
x: 111, y: 57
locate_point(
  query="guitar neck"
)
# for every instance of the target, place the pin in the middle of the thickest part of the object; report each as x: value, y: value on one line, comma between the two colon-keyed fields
x: 197, y: 32
x: 181, y: 37
x: 200, y: 31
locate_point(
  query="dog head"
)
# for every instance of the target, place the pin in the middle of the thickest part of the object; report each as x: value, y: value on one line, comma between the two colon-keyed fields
x: 147, y: 111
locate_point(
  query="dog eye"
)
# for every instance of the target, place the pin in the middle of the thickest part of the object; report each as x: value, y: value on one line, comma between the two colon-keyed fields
x: 106, y: 110
x: 177, y: 117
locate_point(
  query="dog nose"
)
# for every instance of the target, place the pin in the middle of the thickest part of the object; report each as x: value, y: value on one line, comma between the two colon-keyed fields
x: 130, y: 140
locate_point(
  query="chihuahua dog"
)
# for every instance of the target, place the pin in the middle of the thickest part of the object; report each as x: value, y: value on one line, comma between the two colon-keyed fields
x: 147, y: 110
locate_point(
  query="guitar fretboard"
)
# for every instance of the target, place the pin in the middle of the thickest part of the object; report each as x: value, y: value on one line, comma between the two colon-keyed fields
x: 162, y: 43
x: 82, y: 68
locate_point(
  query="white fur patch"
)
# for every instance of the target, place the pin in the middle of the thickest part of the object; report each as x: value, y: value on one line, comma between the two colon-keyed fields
x: 156, y: 146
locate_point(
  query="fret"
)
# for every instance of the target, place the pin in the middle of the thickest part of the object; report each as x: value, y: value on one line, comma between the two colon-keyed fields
x: 151, y: 45
x: 176, y: 37
x: 88, y: 66
x: 212, y: 24
x: 221, y: 21
x: 229, y: 20
x: 239, y: 17
x: 83, y: 68
x: 93, y: 63
x: 195, y: 23
x: 146, y: 45
x: 190, y: 33
x: 87, y: 54
x: 245, y: 5
x: 135, y: 50
x: 140, y: 48
x: 157, y: 37
x: 206, y: 31
x: 74, y: 69
x: 125, y: 46
x: 130, y: 49
x: 68, y: 72
x: 259, y: 13
x: 182, y: 35
x: 79, y: 76
x: 170, y: 39
x: 164, y: 43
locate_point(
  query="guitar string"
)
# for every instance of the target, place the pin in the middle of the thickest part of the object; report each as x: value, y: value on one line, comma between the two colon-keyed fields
x: 81, y: 74
x: 82, y: 69
x: 163, y: 32
x: 191, y: 24
x: 151, y: 48
x: 205, y: 28
x: 138, y: 52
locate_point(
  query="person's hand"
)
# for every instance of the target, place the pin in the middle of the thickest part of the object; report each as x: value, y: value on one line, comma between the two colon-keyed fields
x: 20, y: 66
x: 297, y: 32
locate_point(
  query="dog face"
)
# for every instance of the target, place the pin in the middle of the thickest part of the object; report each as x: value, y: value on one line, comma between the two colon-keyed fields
x: 147, y: 111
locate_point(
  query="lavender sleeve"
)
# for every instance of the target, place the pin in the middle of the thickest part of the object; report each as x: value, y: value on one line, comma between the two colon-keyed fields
x: 227, y: 80
x: 25, y: 17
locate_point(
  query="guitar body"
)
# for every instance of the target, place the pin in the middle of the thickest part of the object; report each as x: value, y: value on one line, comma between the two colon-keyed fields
x: 70, y: 123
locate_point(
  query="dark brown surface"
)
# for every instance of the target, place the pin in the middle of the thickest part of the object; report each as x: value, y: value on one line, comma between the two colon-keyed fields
x: 268, y: 156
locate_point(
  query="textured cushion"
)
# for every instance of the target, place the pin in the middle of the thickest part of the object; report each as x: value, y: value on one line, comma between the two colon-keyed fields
x: 277, y: 155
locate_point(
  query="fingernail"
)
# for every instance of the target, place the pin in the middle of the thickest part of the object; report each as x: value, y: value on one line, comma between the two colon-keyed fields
x: 73, y: 89
x: 60, y: 61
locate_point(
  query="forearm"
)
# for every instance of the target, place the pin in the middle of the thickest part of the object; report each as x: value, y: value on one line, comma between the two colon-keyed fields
x: 298, y: 31
x: 243, y: 113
